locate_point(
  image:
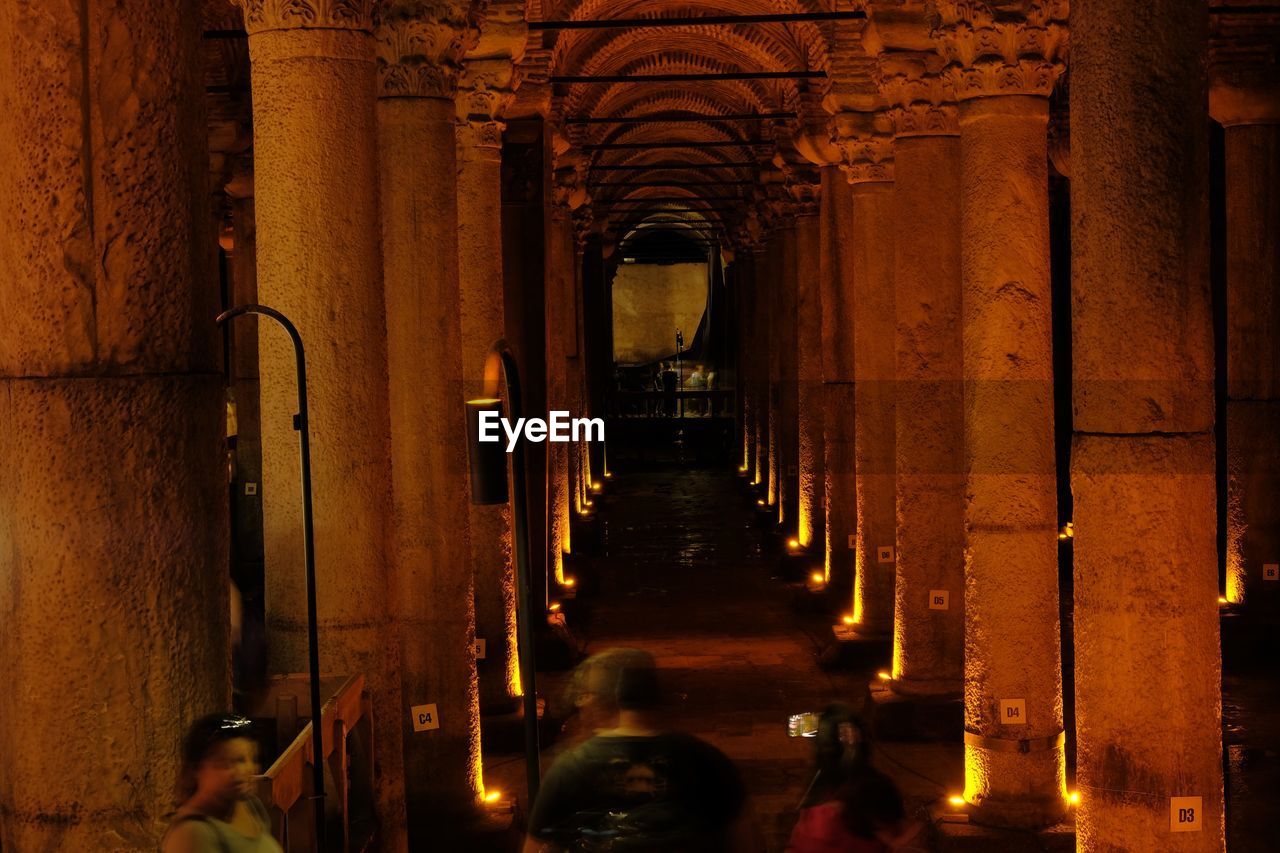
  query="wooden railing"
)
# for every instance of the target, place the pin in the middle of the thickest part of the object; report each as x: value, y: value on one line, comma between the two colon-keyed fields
x: 286, y: 787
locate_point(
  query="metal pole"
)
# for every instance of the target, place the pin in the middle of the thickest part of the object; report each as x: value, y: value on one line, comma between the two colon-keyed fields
x: 309, y: 551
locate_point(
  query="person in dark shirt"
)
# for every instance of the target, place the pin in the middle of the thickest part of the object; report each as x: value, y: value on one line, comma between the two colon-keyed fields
x: 635, y: 788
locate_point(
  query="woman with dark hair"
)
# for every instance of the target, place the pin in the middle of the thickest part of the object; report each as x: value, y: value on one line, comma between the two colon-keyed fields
x: 218, y: 812
x: 850, y: 806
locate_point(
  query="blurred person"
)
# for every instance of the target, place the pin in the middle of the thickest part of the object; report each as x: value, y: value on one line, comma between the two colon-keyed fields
x: 218, y: 812
x: 850, y: 806
x: 593, y: 693
x: 636, y: 788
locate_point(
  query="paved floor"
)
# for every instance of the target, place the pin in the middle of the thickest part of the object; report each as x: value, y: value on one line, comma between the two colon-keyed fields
x: 682, y: 575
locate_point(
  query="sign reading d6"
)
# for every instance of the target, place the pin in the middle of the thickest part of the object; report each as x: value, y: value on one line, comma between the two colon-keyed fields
x: 1186, y: 814
x: 425, y: 717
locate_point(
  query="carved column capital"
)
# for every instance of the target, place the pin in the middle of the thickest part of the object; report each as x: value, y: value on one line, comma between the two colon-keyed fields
x: 807, y: 196
x: 920, y: 97
x: 583, y: 222
x: 420, y: 47
x: 1244, y: 75
x: 865, y: 140
x: 265, y: 15
x: 1000, y: 48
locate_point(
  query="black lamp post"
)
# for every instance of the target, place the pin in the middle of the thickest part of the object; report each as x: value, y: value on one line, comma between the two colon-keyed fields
x: 309, y: 550
x: 489, y: 461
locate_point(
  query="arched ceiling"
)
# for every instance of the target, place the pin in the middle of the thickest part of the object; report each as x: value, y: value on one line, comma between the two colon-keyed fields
x: 698, y: 160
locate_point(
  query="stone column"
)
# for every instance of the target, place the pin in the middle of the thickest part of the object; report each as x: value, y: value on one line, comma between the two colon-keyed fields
x: 810, y: 482
x: 481, y: 299
x: 868, y: 229
x: 783, y: 414
x: 1245, y: 98
x: 559, y: 317
x: 316, y: 176
x: 761, y: 363
x: 1148, y: 665
x: 419, y: 45
x: 928, y: 648
x: 113, y: 540
x: 246, y: 498
x: 744, y: 334
x: 1003, y: 70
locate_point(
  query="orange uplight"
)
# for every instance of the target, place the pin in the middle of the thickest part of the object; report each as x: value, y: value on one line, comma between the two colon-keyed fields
x: 956, y: 800
x: 554, y: 607
x: 884, y: 676
x: 596, y: 486
x: 608, y: 475
x: 570, y: 581
x: 793, y: 543
x: 759, y: 501
x: 817, y: 578
x: 492, y: 796
x: 847, y: 619
x: 1222, y: 599
x: 1073, y: 798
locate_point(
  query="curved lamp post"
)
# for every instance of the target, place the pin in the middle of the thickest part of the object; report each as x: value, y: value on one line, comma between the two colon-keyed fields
x: 488, y: 463
x: 309, y: 549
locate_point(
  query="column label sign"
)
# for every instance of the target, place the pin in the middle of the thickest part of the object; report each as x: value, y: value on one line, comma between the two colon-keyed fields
x: 1185, y: 814
x: 1271, y: 571
x: 425, y: 717
x: 1013, y: 712
x: 939, y: 599
x: 884, y: 554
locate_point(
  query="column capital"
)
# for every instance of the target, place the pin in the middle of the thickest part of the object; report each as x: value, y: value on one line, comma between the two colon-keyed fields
x: 807, y: 196
x: 264, y: 15
x: 420, y: 46
x: 866, y: 141
x: 583, y: 225
x: 1244, y: 78
x: 920, y: 97
x: 1000, y: 47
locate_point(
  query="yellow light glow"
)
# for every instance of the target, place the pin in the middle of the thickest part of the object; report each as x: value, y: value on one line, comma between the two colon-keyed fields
x: 1073, y: 797
x: 492, y: 796
x: 554, y: 607
x: 608, y: 475
x: 793, y: 543
x: 484, y: 401
x: 956, y: 800
x: 817, y: 578
x: 570, y: 581
x: 848, y: 619
x: 884, y: 676
x: 597, y: 486
x: 759, y: 501
x: 1222, y: 599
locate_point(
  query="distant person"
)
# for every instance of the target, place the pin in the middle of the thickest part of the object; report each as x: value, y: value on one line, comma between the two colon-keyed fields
x: 638, y: 789
x: 850, y: 806
x: 669, y: 382
x: 218, y: 812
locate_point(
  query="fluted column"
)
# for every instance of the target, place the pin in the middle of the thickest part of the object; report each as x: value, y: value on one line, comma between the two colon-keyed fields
x: 928, y: 648
x: 1148, y: 665
x: 1003, y: 69
x: 869, y: 231
x: 481, y: 299
x: 315, y: 176
x: 419, y: 45
x: 810, y: 480
x: 113, y: 546
x: 1245, y: 98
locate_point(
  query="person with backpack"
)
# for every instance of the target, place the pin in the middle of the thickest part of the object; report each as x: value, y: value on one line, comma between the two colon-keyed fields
x: 218, y: 812
x: 635, y: 788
